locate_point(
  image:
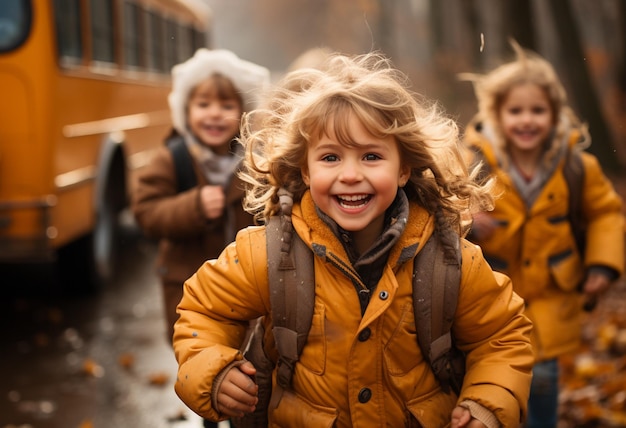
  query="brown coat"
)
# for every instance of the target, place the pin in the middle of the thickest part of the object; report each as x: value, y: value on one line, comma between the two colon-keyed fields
x: 186, y: 237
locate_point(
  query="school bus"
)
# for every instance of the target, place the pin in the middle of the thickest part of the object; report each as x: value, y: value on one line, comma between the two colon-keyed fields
x: 84, y: 87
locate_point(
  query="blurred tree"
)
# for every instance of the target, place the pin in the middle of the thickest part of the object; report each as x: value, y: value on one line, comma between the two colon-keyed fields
x: 519, y: 16
x: 386, y: 17
x: 436, y: 13
x: 621, y: 59
x: 581, y: 84
x: 471, y: 15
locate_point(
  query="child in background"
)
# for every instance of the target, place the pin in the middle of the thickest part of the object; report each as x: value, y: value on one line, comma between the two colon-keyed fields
x: 210, y: 92
x: 354, y: 148
x: 524, y: 134
x: 311, y: 58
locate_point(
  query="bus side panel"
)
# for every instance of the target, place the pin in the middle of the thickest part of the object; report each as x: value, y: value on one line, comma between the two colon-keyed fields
x: 26, y: 188
x: 115, y: 111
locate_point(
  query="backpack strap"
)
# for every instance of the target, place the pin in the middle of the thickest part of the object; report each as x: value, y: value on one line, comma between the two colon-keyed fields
x: 292, y: 292
x: 574, y: 174
x: 436, y: 280
x: 183, y: 163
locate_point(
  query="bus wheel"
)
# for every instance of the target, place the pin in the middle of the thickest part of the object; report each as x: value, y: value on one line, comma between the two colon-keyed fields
x: 99, y: 252
x: 104, y: 243
x: 86, y: 265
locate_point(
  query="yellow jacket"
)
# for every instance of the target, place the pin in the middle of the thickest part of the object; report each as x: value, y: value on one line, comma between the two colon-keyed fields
x: 535, y: 245
x: 336, y: 367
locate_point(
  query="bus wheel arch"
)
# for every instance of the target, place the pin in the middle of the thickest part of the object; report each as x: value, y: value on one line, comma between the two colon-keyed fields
x: 110, y: 198
x: 89, y: 263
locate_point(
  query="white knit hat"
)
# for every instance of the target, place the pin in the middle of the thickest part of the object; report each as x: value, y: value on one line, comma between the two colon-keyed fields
x: 249, y: 79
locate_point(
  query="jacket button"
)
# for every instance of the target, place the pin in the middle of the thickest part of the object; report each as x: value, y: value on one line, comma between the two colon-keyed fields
x: 364, y: 395
x: 383, y: 295
x: 526, y: 262
x: 365, y: 334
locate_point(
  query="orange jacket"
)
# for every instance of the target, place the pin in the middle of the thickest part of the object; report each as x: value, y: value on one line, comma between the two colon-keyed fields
x: 335, y: 365
x: 535, y: 245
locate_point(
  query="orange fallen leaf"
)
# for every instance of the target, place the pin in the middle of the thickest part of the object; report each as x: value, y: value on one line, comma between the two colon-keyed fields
x: 92, y: 368
x: 159, y: 378
x: 86, y: 424
x: 126, y: 360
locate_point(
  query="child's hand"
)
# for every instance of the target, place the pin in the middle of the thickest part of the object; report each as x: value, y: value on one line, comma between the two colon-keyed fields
x: 462, y: 418
x: 595, y: 284
x: 237, y: 393
x: 212, y: 201
x: 483, y: 225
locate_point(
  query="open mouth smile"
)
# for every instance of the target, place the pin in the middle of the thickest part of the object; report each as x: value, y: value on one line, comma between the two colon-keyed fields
x: 353, y: 201
x: 214, y: 128
x: 526, y: 134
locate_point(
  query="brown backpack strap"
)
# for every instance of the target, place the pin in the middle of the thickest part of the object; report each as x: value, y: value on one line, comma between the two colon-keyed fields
x: 292, y: 293
x: 574, y: 174
x: 436, y: 280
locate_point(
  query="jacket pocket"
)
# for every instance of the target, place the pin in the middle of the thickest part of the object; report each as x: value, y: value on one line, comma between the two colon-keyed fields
x: 313, y: 355
x: 432, y: 411
x: 402, y: 351
x: 566, y: 269
x: 296, y: 412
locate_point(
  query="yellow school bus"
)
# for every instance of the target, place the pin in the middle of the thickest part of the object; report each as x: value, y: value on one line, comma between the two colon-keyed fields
x: 84, y: 87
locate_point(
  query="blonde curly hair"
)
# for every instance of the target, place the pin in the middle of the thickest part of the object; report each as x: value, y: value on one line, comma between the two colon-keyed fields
x: 491, y: 90
x: 308, y: 103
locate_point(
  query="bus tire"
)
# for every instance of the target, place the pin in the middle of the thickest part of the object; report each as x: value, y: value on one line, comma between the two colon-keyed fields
x: 89, y: 263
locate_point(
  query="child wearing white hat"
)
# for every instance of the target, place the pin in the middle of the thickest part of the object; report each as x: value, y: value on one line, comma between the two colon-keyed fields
x: 189, y: 196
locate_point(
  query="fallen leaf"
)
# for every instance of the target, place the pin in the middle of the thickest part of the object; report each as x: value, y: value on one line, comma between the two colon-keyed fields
x: 92, y: 368
x: 126, y: 360
x: 159, y: 379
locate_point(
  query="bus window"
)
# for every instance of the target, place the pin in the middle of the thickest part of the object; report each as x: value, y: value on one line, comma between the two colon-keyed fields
x: 68, y: 31
x: 102, y: 31
x: 130, y: 37
x: 200, y: 40
x: 155, y: 38
x: 171, y: 39
x: 185, y: 46
x: 15, y: 21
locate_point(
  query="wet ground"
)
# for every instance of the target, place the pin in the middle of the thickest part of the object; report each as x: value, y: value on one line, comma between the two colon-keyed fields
x: 83, y: 362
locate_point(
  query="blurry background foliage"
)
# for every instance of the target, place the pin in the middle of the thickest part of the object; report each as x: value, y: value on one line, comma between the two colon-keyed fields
x: 434, y: 40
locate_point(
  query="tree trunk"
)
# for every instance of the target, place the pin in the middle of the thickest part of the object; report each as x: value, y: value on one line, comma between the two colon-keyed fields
x: 621, y: 61
x: 386, y: 9
x: 436, y: 26
x: 519, y: 20
x: 581, y: 84
x: 472, y: 19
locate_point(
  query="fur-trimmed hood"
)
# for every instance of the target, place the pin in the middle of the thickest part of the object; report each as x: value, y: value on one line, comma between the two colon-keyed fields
x: 249, y: 78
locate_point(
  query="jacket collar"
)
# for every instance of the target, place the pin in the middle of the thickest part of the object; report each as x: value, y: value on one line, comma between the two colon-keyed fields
x: 403, y: 239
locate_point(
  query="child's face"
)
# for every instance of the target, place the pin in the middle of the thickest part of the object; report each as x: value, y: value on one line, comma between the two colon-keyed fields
x: 355, y: 185
x: 526, y: 117
x: 214, y: 121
